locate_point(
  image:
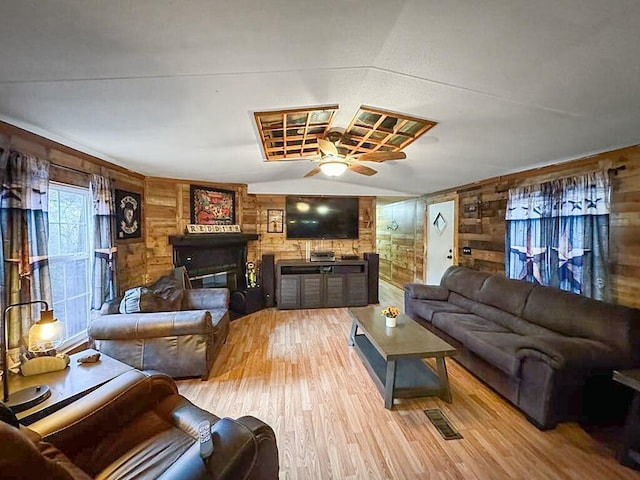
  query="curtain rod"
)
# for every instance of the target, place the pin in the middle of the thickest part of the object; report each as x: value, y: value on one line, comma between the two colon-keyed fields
x: 610, y: 170
x: 75, y: 170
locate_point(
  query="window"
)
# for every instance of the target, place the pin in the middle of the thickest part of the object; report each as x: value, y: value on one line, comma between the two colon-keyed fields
x: 69, y: 257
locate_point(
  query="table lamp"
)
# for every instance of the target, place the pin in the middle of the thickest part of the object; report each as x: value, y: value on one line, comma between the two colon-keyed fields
x: 44, y: 335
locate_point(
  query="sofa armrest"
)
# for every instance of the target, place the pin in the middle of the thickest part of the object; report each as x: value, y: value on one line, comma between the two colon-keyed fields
x: 150, y: 325
x: 571, y: 352
x: 105, y: 409
x: 205, y: 299
x: 243, y: 449
x: 426, y: 292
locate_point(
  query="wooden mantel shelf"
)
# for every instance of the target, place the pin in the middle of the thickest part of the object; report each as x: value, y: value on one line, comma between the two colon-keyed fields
x: 211, y: 239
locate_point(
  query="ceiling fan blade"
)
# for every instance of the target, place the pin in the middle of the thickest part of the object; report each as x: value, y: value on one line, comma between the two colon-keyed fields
x: 327, y: 147
x: 381, y: 156
x: 313, y: 172
x: 362, y: 169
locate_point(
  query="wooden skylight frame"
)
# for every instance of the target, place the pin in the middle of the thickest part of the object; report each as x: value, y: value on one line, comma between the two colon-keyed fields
x: 293, y: 133
x: 376, y: 130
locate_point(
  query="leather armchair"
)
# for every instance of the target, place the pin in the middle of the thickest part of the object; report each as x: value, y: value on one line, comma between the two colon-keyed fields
x: 184, y: 343
x: 137, y: 426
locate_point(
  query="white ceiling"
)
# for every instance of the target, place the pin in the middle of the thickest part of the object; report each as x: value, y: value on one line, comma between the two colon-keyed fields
x: 168, y: 87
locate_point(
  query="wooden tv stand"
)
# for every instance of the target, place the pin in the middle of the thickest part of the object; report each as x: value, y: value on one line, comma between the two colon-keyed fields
x: 303, y: 284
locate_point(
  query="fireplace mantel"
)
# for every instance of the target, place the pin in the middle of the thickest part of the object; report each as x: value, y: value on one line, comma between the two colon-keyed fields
x: 212, y: 240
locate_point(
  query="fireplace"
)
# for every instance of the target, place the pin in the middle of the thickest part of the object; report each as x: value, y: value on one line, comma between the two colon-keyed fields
x: 213, y: 260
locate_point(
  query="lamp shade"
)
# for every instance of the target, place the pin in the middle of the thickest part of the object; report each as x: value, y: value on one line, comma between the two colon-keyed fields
x: 46, y: 334
x: 333, y: 168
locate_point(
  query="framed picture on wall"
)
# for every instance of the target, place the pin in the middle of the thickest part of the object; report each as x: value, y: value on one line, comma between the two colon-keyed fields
x: 128, y: 215
x: 212, y: 206
x: 275, y: 220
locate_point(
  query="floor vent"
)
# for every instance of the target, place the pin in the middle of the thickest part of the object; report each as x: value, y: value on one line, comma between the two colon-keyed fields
x: 442, y: 423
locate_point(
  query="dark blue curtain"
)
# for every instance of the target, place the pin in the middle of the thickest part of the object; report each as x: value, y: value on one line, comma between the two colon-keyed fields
x: 24, y: 228
x: 558, y: 234
x: 103, y: 265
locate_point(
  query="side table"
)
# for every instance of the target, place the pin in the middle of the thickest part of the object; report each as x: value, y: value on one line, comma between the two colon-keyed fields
x: 629, y: 455
x: 67, y: 385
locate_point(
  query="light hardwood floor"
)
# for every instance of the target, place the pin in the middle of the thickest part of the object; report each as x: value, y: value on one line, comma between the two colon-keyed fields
x: 295, y: 371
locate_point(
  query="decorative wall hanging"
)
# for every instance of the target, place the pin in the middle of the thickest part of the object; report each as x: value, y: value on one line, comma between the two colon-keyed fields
x: 275, y: 221
x: 212, y: 206
x: 128, y: 215
x: 440, y: 223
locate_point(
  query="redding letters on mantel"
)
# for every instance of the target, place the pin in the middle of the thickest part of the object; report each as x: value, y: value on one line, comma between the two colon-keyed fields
x: 128, y: 205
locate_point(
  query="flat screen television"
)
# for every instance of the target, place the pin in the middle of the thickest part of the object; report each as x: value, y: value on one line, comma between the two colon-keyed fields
x: 322, y: 217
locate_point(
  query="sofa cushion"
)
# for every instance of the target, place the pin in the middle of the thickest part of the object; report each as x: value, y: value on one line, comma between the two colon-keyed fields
x: 426, y: 292
x: 506, y: 294
x: 426, y: 308
x: 458, y: 325
x: 577, y: 316
x: 465, y: 281
x: 511, y: 322
x: 497, y: 348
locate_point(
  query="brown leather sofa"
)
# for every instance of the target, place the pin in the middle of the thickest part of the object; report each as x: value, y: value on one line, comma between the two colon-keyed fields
x: 136, y: 426
x: 183, y: 343
x: 549, y: 352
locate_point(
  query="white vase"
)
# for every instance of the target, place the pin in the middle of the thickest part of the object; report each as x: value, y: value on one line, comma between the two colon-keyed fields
x: 390, y: 321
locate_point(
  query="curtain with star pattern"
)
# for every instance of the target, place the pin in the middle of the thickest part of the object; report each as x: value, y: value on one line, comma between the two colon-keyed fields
x: 558, y: 234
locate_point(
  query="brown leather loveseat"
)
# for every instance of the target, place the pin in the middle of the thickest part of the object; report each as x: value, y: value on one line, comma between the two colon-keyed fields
x: 136, y: 426
x: 181, y: 343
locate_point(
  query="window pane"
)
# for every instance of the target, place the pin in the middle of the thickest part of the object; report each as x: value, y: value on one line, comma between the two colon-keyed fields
x: 71, y: 208
x: 54, y: 238
x: 77, y: 315
x: 71, y: 237
x: 56, y: 270
x: 76, y: 277
x: 53, y: 206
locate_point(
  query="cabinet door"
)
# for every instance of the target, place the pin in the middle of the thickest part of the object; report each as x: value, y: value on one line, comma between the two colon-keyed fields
x: 356, y: 289
x: 334, y: 293
x: 311, y: 291
x: 289, y: 291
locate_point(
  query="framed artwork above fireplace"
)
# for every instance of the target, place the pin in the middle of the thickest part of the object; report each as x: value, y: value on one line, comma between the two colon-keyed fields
x: 212, y: 206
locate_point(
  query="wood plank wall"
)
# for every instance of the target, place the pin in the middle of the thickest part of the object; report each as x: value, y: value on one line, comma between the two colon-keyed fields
x: 401, y: 250
x: 482, y: 226
x: 168, y: 213
x: 278, y: 245
x: 73, y: 167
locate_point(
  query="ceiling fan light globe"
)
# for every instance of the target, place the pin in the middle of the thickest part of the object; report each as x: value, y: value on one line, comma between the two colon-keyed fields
x: 333, y: 168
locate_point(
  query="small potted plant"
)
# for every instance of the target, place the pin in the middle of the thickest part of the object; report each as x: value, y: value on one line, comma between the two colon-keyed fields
x: 390, y: 313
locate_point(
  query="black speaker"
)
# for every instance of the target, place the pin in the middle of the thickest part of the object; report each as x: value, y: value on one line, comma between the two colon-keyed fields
x: 268, y: 274
x: 372, y: 276
x: 243, y: 302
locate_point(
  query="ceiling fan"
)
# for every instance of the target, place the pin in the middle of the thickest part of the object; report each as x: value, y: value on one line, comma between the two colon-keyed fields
x: 334, y: 163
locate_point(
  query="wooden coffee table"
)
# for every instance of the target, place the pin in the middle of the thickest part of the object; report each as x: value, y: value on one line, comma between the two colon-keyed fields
x: 68, y: 385
x: 393, y: 356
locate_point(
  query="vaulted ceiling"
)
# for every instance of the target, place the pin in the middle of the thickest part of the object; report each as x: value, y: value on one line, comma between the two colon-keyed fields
x: 168, y: 88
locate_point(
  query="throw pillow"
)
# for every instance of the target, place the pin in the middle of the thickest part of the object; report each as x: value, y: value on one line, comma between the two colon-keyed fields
x: 165, y: 295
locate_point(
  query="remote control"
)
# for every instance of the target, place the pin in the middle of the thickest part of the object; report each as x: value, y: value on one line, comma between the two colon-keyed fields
x: 206, y: 443
x: 92, y: 358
